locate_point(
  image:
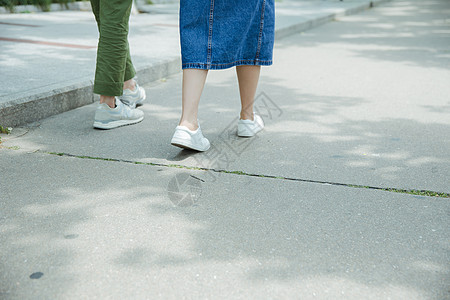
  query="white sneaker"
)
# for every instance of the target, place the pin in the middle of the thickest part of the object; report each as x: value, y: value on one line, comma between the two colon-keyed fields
x: 133, y: 98
x: 248, y: 128
x: 108, y: 118
x: 188, y: 139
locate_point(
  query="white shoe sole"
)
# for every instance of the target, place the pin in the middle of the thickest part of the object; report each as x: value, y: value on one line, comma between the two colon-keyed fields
x: 248, y: 133
x: 115, y: 124
x: 183, y: 144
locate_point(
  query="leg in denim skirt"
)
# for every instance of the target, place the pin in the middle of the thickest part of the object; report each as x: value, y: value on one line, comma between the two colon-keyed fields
x: 217, y: 35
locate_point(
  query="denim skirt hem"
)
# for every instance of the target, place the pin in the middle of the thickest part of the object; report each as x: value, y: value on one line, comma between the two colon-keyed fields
x: 220, y: 34
x: 203, y: 66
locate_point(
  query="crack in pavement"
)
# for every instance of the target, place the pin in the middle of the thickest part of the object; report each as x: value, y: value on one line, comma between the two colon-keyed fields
x: 427, y: 193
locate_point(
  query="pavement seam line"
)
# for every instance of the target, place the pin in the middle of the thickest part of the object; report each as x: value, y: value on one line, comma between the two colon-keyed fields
x: 427, y: 193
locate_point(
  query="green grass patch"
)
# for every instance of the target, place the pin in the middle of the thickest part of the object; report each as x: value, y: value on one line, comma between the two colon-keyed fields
x: 6, y: 130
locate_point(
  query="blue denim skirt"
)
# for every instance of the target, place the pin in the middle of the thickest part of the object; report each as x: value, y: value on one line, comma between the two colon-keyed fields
x: 219, y: 34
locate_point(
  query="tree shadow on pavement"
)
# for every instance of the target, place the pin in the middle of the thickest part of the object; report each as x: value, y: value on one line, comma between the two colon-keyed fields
x: 102, y: 227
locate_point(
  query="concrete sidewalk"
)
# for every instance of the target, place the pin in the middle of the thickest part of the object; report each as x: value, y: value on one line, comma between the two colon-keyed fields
x: 47, y: 60
x: 344, y: 194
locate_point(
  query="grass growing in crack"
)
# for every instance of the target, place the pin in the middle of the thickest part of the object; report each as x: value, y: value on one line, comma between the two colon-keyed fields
x: 403, y: 191
x: 6, y: 130
x: 13, y: 148
x: 241, y: 173
x: 237, y: 173
x: 419, y: 193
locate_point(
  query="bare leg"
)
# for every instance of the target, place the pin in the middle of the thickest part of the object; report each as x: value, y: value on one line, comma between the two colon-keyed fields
x: 193, y: 83
x: 248, y: 77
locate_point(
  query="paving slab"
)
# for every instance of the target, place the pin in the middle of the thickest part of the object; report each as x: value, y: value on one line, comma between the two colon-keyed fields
x: 60, y: 68
x: 73, y: 228
x: 348, y: 103
x: 48, y: 59
x: 68, y: 50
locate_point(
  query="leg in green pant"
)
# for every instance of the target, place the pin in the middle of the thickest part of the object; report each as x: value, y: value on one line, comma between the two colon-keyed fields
x: 114, y: 70
x: 114, y: 65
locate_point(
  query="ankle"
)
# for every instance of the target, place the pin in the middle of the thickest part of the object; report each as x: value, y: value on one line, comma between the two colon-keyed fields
x: 109, y: 100
x: 246, y: 115
x: 190, y: 125
x: 129, y: 85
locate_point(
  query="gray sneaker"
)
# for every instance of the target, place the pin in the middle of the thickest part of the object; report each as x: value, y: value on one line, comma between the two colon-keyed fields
x: 109, y: 118
x: 133, y: 98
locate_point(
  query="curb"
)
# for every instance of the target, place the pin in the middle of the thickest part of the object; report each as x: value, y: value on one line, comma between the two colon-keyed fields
x: 30, y: 109
x: 43, y: 105
x: 309, y: 24
x: 36, y: 107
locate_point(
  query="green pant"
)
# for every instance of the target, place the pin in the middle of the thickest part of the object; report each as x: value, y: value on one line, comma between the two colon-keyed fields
x: 114, y: 64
